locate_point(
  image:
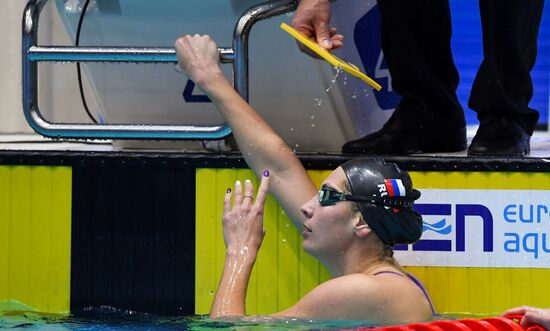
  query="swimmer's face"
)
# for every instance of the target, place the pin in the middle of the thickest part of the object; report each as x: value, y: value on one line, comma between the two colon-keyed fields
x: 327, y: 229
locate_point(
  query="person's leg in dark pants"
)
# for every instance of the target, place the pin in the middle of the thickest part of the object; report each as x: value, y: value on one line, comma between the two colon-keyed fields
x: 416, y: 40
x: 503, y: 87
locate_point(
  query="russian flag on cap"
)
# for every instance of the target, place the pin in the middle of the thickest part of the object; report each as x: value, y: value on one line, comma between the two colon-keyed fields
x: 395, y: 187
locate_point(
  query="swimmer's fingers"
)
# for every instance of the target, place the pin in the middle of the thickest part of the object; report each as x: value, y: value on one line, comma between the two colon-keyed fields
x: 238, y: 199
x: 227, y: 204
x: 248, y: 197
x: 199, y: 58
x: 517, y: 310
x: 262, y: 193
x: 531, y: 315
x: 534, y: 317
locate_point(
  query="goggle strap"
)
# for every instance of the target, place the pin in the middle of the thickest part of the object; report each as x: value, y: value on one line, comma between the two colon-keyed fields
x: 393, y: 202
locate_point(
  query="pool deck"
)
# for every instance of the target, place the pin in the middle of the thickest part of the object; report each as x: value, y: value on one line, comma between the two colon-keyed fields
x: 34, y: 149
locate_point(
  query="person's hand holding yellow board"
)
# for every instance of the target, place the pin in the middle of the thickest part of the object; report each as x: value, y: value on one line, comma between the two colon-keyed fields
x: 329, y: 57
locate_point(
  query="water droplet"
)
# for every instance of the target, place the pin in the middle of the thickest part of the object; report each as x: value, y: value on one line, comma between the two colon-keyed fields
x: 331, y: 84
x: 73, y: 6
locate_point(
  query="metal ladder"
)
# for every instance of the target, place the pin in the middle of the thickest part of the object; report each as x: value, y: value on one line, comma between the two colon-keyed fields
x: 32, y: 53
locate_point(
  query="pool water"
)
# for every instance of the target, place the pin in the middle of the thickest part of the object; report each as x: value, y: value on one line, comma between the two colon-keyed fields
x: 108, y: 318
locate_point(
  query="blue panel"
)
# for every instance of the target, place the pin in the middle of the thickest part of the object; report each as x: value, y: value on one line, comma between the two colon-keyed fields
x: 468, y: 54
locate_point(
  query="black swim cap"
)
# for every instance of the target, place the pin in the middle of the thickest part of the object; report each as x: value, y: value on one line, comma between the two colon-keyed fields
x: 369, y: 177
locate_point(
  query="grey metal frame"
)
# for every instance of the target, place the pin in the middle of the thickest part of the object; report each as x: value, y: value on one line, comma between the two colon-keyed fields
x: 32, y: 53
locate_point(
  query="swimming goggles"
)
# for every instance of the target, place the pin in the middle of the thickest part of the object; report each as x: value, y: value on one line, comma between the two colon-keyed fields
x: 329, y: 196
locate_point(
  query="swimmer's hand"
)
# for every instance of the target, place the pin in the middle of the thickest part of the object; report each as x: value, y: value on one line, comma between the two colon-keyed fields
x: 243, y: 233
x: 199, y: 59
x: 531, y: 316
x: 312, y: 18
x: 243, y: 230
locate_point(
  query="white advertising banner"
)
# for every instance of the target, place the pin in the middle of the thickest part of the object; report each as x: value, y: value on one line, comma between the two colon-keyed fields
x: 481, y: 228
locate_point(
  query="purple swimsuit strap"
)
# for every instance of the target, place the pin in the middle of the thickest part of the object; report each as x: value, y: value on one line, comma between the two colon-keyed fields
x: 416, y: 281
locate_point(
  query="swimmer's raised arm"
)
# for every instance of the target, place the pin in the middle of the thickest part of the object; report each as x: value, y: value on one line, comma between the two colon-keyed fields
x: 261, y: 147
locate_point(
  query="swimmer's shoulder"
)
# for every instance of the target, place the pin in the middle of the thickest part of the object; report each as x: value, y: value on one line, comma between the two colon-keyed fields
x: 351, y: 297
x: 388, y: 296
x: 408, y: 298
